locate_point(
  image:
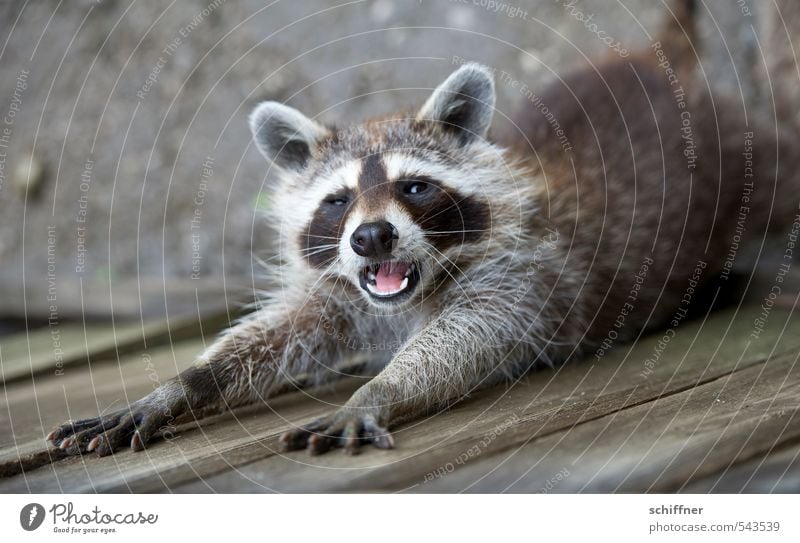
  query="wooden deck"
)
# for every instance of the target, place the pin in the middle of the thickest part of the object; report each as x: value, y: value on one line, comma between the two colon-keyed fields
x: 718, y: 412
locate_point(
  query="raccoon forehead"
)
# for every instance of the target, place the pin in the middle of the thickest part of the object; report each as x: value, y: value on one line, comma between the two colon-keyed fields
x: 343, y: 175
x: 394, y: 165
x: 400, y: 165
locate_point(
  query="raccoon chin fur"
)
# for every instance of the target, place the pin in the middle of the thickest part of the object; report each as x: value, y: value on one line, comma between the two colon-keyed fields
x: 453, y: 259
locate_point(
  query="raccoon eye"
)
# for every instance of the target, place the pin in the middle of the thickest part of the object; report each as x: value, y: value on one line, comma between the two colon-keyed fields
x: 337, y: 201
x: 415, y: 187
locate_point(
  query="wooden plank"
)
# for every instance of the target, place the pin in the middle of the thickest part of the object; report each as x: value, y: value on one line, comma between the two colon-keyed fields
x: 152, y: 298
x: 24, y: 352
x: 30, y: 410
x: 215, y: 444
x: 55, y: 349
x: 776, y: 471
x: 544, y: 403
x: 655, y: 447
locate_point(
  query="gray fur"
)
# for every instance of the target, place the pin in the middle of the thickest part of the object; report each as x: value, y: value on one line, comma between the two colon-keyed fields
x: 464, y: 102
x: 284, y: 135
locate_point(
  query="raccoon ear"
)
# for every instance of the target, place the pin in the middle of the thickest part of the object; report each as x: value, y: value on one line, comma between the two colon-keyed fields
x: 464, y: 103
x: 284, y: 135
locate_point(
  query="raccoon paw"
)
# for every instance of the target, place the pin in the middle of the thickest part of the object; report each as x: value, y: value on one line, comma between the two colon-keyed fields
x: 343, y: 429
x: 137, y: 424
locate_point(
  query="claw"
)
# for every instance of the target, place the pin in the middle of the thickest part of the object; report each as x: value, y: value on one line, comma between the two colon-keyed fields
x: 137, y: 444
x: 349, y: 432
x: 93, y: 444
x: 352, y: 440
x: 383, y: 441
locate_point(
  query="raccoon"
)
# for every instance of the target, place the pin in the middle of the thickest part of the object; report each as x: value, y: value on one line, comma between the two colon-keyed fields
x: 473, y: 258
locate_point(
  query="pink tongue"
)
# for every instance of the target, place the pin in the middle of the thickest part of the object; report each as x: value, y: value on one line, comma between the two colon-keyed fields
x: 390, y: 276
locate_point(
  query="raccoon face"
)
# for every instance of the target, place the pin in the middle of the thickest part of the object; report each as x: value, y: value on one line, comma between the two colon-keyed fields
x: 393, y: 207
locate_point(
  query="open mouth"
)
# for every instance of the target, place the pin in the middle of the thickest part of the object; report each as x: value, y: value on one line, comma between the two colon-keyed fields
x: 390, y: 280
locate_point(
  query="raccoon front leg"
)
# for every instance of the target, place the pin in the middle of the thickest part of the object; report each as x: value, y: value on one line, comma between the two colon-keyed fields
x: 253, y: 362
x: 459, y: 350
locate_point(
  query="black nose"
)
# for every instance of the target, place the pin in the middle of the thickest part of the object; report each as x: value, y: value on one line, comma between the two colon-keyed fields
x: 374, y: 239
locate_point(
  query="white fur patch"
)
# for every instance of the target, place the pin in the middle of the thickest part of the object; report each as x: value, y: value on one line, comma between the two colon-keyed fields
x: 410, y: 233
x: 401, y: 165
x: 299, y: 211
